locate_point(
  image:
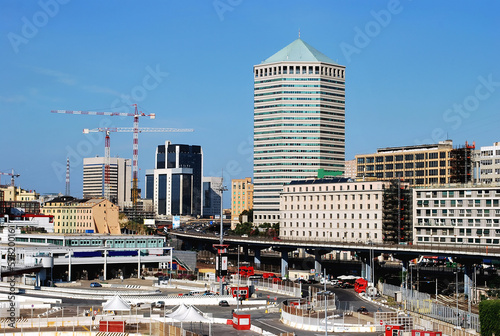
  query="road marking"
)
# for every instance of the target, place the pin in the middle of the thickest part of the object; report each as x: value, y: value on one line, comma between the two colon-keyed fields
x: 270, y: 325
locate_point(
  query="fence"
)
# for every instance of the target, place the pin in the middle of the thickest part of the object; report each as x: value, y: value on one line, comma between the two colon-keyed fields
x: 422, y: 303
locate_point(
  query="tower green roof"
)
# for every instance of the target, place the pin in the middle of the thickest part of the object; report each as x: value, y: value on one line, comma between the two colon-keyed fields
x: 298, y: 51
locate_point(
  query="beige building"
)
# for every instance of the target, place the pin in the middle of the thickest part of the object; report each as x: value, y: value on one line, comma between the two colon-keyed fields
x: 332, y: 210
x: 350, y: 169
x: 241, y: 197
x: 12, y: 193
x: 83, y: 216
x: 420, y: 165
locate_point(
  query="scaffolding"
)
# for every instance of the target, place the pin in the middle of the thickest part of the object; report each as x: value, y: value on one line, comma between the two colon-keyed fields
x: 396, y: 214
x: 461, y: 164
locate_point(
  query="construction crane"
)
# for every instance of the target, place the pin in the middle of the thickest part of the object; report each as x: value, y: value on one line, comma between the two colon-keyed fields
x: 107, y: 148
x: 12, y: 175
x: 136, y: 115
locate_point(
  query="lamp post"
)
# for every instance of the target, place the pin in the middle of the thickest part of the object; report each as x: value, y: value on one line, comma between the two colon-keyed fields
x: 222, y: 188
x: 456, y: 292
x: 238, y: 291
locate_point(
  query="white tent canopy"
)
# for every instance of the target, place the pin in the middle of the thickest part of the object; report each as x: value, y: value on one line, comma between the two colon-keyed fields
x: 116, y: 303
x: 178, y: 312
x: 189, y: 315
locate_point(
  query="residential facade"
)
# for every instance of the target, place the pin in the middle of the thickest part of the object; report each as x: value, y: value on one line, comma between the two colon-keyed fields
x: 419, y: 165
x: 212, y: 196
x: 464, y: 214
x: 176, y: 183
x: 73, y: 215
x: 350, y: 170
x: 333, y: 210
x: 299, y: 122
x: 120, y: 176
x: 488, y: 164
x: 17, y: 194
x: 241, y: 198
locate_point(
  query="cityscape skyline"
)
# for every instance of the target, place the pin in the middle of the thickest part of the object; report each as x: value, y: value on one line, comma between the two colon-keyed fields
x: 419, y: 58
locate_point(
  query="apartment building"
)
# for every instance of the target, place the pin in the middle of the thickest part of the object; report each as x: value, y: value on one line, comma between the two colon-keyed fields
x: 465, y: 214
x: 488, y: 164
x: 340, y: 210
x: 241, y: 198
x: 420, y: 165
x: 73, y: 215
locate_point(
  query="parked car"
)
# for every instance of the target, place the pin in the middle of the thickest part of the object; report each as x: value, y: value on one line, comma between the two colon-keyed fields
x: 223, y: 303
x: 276, y: 238
x: 95, y: 284
x: 159, y: 304
x: 362, y: 310
x: 244, y: 235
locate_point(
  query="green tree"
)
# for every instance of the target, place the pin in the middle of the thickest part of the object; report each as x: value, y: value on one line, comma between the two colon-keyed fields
x: 489, y: 312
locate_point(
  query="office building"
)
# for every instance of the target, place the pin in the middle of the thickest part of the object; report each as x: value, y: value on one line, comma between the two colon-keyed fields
x: 487, y: 164
x: 299, y: 122
x: 463, y: 214
x: 73, y: 215
x: 241, y: 198
x: 212, y: 196
x: 339, y: 210
x: 176, y: 185
x: 119, y: 178
x: 420, y: 165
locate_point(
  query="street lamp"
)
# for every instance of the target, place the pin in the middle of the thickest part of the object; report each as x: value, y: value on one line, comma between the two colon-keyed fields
x: 456, y: 292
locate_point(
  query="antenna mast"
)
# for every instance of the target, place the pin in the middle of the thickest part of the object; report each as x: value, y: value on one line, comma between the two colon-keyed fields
x: 67, y: 177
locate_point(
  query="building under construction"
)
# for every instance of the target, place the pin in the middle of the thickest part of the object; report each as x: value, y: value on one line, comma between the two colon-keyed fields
x: 461, y: 164
x: 396, y: 214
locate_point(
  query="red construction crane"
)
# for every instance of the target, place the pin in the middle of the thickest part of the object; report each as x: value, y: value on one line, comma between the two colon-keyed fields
x: 107, y: 147
x: 136, y: 115
x: 12, y: 175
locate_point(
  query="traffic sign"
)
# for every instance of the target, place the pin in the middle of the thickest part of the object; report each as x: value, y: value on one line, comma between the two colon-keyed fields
x: 381, y: 322
x: 95, y: 312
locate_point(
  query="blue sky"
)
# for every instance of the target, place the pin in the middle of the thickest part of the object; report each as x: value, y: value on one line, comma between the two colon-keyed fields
x: 417, y: 72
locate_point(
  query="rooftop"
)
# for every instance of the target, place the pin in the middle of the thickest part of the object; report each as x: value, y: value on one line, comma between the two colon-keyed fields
x: 298, y: 51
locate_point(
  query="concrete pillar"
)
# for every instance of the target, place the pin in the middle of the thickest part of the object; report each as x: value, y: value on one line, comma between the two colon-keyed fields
x: 468, y: 279
x: 257, y: 258
x: 246, y: 255
x: 138, y: 263
x: 317, y: 263
x: 69, y: 266
x: 284, y: 263
x: 404, y: 271
x: 105, y: 265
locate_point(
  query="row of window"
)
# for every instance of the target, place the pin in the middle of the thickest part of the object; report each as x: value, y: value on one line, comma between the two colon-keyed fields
x: 401, y: 157
x: 353, y: 207
x: 345, y: 226
x: 299, y: 70
x: 360, y: 216
x: 459, y: 203
x: 345, y: 235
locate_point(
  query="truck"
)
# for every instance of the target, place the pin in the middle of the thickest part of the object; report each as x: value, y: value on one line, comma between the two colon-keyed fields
x: 360, y: 285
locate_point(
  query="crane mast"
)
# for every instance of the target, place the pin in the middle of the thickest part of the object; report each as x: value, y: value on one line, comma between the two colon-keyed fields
x: 107, y: 151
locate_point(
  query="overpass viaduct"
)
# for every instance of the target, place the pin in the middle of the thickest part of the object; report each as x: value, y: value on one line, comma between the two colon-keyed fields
x: 468, y: 255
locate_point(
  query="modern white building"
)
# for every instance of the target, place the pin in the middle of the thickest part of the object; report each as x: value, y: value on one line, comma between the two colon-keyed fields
x: 488, y: 164
x: 120, y: 177
x: 299, y: 122
x: 467, y: 214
